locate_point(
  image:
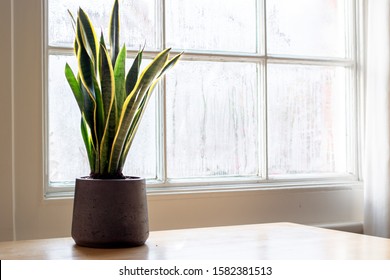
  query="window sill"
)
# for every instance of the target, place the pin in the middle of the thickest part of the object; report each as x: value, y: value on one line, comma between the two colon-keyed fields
x: 177, y: 187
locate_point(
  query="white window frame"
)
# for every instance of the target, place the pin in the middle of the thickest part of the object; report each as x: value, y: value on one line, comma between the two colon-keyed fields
x: 261, y: 58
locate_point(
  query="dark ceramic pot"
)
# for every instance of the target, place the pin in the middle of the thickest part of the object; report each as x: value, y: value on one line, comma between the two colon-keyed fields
x: 110, y: 213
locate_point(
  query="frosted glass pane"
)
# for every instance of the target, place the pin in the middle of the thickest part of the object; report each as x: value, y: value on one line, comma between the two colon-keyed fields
x: 219, y: 25
x: 138, y: 24
x: 212, y: 127
x: 307, y: 27
x: 67, y: 156
x: 66, y: 152
x: 306, y: 119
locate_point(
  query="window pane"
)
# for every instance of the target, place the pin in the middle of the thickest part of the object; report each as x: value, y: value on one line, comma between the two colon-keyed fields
x: 307, y: 27
x: 218, y: 25
x: 212, y: 127
x: 67, y: 156
x: 306, y: 119
x: 138, y: 24
x: 212, y: 107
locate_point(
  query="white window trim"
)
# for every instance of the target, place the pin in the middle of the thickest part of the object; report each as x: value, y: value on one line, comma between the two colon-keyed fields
x: 164, y: 185
x: 33, y: 215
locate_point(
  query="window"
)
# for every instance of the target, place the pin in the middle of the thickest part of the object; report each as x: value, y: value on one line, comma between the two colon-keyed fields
x: 266, y: 91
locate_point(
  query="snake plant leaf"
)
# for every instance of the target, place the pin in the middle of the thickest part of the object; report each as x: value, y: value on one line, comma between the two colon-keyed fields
x: 73, y: 20
x: 172, y: 62
x: 131, y: 105
x: 102, y: 42
x: 100, y: 118
x: 87, y: 85
x: 132, y: 75
x: 89, y: 110
x: 76, y: 47
x: 108, y: 92
x: 107, y: 81
x: 74, y: 85
x: 74, y: 24
x: 86, y: 71
x: 88, y: 142
x: 88, y: 35
x: 119, y: 72
x: 108, y: 138
x: 111, y: 101
x: 114, y: 32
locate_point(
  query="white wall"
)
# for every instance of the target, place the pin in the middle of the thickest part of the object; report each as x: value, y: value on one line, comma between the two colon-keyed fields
x: 22, y: 165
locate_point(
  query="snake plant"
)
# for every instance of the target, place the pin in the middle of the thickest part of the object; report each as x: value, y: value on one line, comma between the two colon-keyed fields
x: 111, y: 101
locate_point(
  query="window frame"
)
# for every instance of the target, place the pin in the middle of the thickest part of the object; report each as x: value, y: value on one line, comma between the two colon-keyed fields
x: 261, y: 58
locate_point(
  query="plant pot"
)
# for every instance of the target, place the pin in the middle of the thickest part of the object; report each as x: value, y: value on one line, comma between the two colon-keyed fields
x: 110, y: 213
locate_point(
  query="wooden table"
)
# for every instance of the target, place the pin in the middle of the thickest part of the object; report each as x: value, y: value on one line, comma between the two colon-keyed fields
x: 273, y: 241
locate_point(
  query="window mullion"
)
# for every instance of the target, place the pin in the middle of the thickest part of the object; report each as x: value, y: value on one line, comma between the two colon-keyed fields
x: 161, y: 171
x: 353, y: 94
x: 262, y: 90
x: 160, y: 19
x: 310, y: 61
x: 261, y: 27
x: 262, y: 119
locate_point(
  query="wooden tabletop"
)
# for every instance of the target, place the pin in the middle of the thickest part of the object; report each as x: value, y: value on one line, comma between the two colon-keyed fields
x: 273, y: 241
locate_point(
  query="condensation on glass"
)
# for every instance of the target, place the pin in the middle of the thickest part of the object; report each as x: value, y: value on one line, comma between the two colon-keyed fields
x: 307, y: 28
x: 218, y: 25
x: 307, y: 119
x: 212, y: 127
x: 138, y: 21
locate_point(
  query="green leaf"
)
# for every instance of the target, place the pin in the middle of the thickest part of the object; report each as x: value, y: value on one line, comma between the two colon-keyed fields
x: 108, y: 90
x: 114, y: 32
x: 88, y: 142
x: 131, y: 106
x: 102, y: 42
x: 74, y: 85
x: 86, y: 69
x: 87, y: 86
x: 132, y: 75
x: 89, y: 109
x: 88, y: 35
x: 100, y: 119
x: 74, y: 26
x: 172, y: 62
x: 108, y: 138
x: 107, y: 80
x: 73, y: 20
x: 119, y: 73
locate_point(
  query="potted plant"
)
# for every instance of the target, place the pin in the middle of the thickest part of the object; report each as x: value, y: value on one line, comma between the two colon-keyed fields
x: 110, y: 209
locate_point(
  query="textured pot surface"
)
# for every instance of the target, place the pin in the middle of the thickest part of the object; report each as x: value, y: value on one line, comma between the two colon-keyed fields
x: 110, y: 213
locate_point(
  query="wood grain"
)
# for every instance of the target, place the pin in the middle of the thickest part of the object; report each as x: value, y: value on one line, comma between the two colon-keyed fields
x: 272, y: 241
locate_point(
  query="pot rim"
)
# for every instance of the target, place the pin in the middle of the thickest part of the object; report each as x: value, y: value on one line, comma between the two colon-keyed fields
x: 127, y: 178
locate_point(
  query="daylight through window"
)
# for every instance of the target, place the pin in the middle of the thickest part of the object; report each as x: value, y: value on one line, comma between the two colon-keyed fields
x: 266, y: 90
